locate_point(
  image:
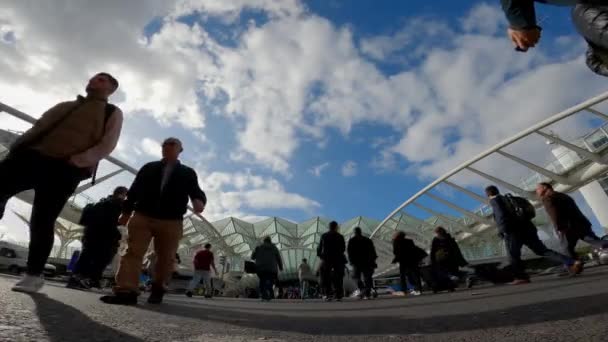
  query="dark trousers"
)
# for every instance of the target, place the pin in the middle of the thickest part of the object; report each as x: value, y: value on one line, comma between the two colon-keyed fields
x: 96, y: 255
x: 570, y: 239
x: 267, y: 280
x: 53, y: 182
x: 363, y: 276
x: 529, y: 238
x: 332, y: 278
x: 411, y: 274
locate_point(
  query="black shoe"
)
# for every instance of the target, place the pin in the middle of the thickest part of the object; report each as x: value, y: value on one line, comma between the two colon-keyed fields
x: 189, y: 294
x: 120, y: 299
x: 156, y: 297
x: 78, y: 284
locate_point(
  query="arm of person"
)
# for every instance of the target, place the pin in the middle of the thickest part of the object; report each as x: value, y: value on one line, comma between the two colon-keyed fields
x: 279, y: 259
x: 433, y: 251
x: 133, y: 195
x: 349, y: 251
x: 106, y: 144
x: 520, y: 14
x: 552, y: 211
x: 320, y: 248
x: 213, y: 263
x: 196, y: 194
x: 500, y: 216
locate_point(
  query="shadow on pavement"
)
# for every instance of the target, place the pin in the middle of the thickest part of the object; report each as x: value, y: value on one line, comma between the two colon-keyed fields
x: 564, y: 309
x: 64, y: 323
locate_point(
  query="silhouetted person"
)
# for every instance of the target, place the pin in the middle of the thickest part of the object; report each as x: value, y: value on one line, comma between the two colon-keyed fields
x: 100, y: 240
x: 158, y: 200
x: 362, y: 256
x: 62, y: 149
x: 518, y: 230
x: 446, y: 256
x: 304, y: 275
x: 569, y: 221
x: 268, y: 263
x: 204, y: 262
x: 409, y: 256
x: 331, y: 252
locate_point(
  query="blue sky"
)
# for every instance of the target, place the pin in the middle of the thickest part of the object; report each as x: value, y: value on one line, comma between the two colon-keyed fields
x: 300, y: 109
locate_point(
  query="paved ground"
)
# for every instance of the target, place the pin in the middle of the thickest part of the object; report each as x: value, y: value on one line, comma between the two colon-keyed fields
x: 550, y: 309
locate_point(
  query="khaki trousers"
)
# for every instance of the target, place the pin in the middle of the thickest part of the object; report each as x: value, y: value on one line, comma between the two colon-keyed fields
x: 142, y: 229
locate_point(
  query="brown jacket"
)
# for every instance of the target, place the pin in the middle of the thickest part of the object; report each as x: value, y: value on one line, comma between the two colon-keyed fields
x: 565, y: 214
x: 81, y: 137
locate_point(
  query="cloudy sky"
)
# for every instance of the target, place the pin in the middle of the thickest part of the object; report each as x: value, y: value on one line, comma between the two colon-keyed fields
x: 296, y: 108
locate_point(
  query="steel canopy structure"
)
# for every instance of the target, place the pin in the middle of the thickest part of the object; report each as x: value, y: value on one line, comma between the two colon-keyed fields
x: 474, y: 228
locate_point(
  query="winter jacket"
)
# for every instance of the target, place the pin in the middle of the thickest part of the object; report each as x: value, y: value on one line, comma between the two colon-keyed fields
x: 332, y: 247
x: 267, y: 258
x: 146, y: 197
x: 445, y: 253
x: 361, y: 252
x: 565, y: 214
x: 407, y: 253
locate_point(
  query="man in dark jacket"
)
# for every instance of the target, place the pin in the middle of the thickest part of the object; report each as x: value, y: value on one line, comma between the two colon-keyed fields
x: 159, y: 197
x: 569, y: 222
x: 518, y: 232
x: 588, y: 17
x: 268, y: 263
x: 362, y: 256
x: 100, y: 240
x: 409, y: 256
x: 331, y: 252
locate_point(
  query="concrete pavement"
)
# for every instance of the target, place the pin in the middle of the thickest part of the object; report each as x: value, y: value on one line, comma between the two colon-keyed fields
x: 549, y: 309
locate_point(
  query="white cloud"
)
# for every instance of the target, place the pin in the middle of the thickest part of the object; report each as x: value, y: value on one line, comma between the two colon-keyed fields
x: 317, y: 170
x: 349, y: 169
x: 151, y: 147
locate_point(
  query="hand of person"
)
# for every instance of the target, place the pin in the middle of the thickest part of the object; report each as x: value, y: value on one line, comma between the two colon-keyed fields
x: 523, y: 39
x: 123, y: 219
x: 198, y: 206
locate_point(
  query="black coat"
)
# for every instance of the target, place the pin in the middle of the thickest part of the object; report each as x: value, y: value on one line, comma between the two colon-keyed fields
x: 407, y: 253
x: 522, y: 14
x: 446, y: 254
x: 146, y: 197
x: 361, y: 252
x: 506, y: 221
x: 332, y: 247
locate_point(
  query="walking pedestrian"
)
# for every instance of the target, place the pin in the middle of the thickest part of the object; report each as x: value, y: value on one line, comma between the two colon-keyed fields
x: 268, y: 264
x: 304, y: 275
x: 513, y: 216
x: 409, y: 256
x: 62, y: 149
x: 204, y: 262
x: 569, y: 221
x: 100, y: 240
x: 331, y: 251
x: 362, y: 256
x: 158, y: 200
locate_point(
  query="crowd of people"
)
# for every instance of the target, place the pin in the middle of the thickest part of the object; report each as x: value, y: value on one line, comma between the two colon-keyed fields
x: 71, y: 138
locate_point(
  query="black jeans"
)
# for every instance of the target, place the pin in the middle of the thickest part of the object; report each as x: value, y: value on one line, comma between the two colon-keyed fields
x: 53, y: 182
x: 267, y: 280
x: 332, y: 278
x: 529, y: 238
x: 411, y: 274
x: 366, y: 284
x: 570, y: 239
x: 97, y: 253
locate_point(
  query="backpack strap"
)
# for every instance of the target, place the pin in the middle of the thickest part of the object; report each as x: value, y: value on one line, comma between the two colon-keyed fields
x: 108, y: 110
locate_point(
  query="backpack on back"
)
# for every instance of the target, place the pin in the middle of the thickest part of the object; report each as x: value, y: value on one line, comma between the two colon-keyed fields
x: 520, y: 207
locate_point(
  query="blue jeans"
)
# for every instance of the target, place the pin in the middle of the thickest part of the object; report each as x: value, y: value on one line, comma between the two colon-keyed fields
x: 529, y: 238
x: 304, y: 289
x: 205, y: 276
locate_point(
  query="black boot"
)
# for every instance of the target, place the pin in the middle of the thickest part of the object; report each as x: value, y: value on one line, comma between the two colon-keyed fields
x: 128, y: 298
x: 156, y: 297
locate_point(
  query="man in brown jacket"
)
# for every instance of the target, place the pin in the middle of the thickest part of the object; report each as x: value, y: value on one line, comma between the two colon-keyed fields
x: 62, y: 148
x: 568, y: 220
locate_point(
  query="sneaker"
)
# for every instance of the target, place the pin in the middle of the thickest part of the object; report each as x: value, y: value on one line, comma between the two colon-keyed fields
x: 415, y: 293
x: 29, y: 284
x: 327, y: 298
x: 520, y: 282
x: 120, y: 299
x: 399, y: 294
x: 78, y: 284
x: 156, y: 297
x: 189, y: 294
